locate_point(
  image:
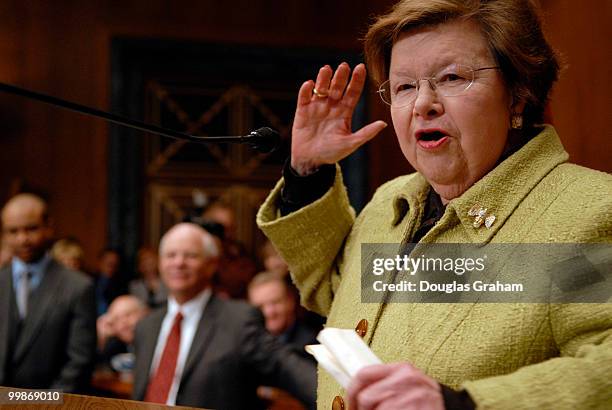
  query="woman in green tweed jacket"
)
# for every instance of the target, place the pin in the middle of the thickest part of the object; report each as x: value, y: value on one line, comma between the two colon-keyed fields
x: 467, y: 83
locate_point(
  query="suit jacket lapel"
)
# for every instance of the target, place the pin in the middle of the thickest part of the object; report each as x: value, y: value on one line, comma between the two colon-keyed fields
x: 6, y: 287
x: 146, y: 352
x: 203, y: 335
x: 40, y: 303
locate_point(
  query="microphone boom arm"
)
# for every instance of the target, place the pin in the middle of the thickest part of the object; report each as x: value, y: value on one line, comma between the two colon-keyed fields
x: 263, y: 139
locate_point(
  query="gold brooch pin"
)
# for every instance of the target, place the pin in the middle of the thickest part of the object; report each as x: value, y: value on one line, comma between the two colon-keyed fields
x: 481, y: 217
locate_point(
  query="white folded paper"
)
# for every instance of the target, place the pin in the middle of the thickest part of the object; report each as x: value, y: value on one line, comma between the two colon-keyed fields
x: 342, y: 353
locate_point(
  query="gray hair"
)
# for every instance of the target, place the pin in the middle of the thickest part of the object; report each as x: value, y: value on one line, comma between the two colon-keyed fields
x: 209, y: 245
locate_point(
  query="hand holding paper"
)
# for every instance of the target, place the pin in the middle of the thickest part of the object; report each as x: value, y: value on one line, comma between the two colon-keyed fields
x: 344, y: 355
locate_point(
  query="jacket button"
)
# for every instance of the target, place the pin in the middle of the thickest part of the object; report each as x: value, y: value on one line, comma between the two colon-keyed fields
x: 362, y: 328
x: 338, y: 403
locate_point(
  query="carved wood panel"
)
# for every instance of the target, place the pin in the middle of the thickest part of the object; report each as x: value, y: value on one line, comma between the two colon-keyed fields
x: 233, y: 173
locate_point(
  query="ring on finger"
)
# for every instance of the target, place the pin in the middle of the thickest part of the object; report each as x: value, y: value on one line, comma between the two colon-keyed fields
x: 320, y: 94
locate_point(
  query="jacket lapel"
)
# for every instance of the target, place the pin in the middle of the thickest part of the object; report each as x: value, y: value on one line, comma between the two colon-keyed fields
x: 145, y: 353
x: 6, y: 287
x: 203, y: 335
x: 407, y: 213
x: 41, y: 301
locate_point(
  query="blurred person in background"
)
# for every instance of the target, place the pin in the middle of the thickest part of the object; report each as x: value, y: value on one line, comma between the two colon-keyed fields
x: 116, y: 327
x: 68, y: 252
x: 236, y: 267
x: 204, y: 351
x: 110, y: 281
x: 148, y: 287
x: 47, y: 311
x: 272, y: 261
x: 271, y: 294
x: 223, y: 214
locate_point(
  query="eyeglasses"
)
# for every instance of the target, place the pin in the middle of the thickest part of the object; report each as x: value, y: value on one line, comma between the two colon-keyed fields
x: 450, y: 81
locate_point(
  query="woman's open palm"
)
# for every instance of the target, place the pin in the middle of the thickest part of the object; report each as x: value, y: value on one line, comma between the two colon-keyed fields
x: 322, y: 124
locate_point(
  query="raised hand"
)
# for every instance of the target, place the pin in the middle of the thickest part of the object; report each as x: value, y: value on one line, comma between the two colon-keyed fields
x: 322, y: 124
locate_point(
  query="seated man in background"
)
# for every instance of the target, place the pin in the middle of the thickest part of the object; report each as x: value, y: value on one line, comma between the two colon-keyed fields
x: 116, y: 327
x: 47, y: 312
x: 271, y: 294
x: 205, y: 351
x: 274, y: 263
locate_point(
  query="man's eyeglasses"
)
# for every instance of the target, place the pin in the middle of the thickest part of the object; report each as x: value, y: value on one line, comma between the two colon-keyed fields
x: 449, y: 81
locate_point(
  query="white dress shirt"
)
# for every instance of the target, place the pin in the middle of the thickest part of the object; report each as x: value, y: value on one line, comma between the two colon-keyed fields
x: 192, y: 313
x: 36, y: 270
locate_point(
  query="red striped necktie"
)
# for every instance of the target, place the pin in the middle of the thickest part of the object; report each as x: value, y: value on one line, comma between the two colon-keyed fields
x: 159, y: 385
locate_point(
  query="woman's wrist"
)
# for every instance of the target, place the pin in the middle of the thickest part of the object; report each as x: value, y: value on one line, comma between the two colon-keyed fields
x: 301, y: 190
x: 304, y: 169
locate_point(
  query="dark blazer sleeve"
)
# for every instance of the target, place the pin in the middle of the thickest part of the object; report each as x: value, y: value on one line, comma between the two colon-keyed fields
x: 81, y: 340
x: 277, y: 364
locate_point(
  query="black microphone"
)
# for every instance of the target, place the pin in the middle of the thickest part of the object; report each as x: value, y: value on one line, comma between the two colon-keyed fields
x: 263, y: 139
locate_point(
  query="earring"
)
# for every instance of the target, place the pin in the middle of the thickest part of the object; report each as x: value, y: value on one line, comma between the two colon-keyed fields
x: 516, y: 121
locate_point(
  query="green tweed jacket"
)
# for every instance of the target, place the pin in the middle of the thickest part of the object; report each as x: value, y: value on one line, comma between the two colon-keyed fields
x: 507, y: 356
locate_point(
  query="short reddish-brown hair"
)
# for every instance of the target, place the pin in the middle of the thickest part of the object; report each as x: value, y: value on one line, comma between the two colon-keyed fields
x: 512, y: 29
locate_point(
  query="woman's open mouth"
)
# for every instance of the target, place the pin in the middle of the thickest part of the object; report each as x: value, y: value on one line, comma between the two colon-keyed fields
x: 430, y: 139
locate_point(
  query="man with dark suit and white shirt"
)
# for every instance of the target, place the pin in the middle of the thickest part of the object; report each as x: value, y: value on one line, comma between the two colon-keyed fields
x: 47, y: 312
x: 204, y: 351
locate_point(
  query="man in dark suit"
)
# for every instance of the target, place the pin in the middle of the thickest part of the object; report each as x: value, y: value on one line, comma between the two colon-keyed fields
x: 204, y: 351
x: 271, y: 294
x: 47, y: 312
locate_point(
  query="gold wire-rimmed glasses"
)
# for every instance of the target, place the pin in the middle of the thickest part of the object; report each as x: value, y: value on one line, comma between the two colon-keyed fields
x: 449, y: 82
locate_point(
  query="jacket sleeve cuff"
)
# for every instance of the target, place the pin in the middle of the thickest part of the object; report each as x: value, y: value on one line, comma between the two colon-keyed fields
x: 457, y: 400
x: 300, y: 191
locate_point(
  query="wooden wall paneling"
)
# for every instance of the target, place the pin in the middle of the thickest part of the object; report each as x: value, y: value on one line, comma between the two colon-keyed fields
x: 581, y: 101
x: 12, y: 119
